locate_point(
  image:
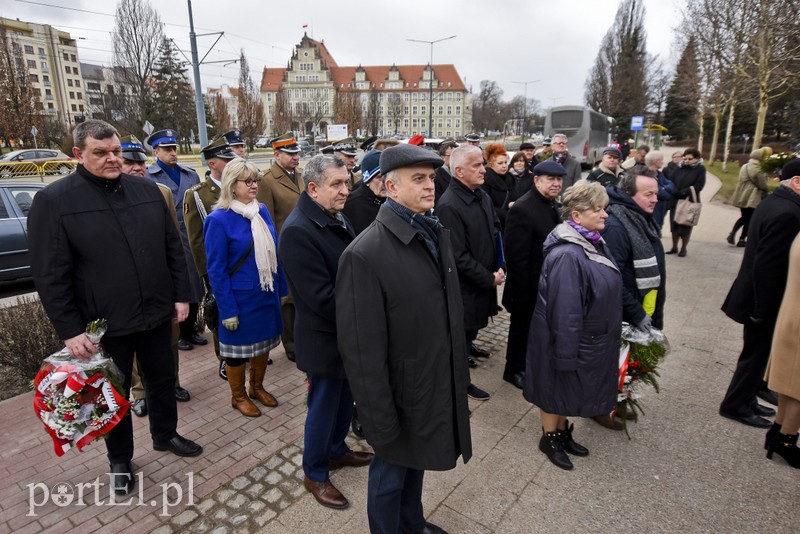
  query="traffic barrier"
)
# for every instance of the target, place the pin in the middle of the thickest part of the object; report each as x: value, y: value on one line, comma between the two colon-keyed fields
x: 62, y: 167
x: 19, y: 169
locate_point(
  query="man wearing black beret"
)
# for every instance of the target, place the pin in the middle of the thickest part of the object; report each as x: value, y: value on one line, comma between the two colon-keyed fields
x: 407, y: 370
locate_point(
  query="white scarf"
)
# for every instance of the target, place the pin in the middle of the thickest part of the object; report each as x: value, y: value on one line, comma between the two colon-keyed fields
x: 263, y: 244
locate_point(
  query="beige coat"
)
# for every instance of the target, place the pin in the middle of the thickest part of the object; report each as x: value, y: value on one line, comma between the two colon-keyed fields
x: 751, y: 187
x: 783, y: 371
x: 279, y: 193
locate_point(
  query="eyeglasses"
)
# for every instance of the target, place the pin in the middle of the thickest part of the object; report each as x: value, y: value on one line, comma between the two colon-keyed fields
x: 560, y: 143
x: 250, y: 182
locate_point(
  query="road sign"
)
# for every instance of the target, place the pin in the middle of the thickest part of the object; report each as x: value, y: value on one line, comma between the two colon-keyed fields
x: 147, y: 128
x: 34, y: 131
x: 637, y: 123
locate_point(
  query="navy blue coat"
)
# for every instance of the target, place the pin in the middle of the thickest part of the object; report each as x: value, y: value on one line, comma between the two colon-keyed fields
x: 573, y: 344
x: 311, y: 243
x: 227, y: 239
x: 619, y: 245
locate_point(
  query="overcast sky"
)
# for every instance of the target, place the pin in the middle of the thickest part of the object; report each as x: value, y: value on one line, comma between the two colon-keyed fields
x: 503, y: 40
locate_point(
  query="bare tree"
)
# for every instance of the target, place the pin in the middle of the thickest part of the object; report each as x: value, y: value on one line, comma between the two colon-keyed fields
x: 283, y: 117
x: 487, y: 107
x: 598, y: 84
x: 220, y: 117
x: 396, y: 110
x: 347, y: 110
x: 372, y: 120
x: 251, y: 108
x: 19, y: 105
x: 138, y: 33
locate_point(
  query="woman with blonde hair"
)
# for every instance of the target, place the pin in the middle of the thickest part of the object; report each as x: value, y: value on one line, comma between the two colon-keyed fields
x: 247, y: 281
x: 573, y: 343
x: 749, y: 192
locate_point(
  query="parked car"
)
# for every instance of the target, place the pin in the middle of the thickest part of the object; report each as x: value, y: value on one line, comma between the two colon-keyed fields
x: 263, y: 142
x: 36, y: 156
x: 15, y: 203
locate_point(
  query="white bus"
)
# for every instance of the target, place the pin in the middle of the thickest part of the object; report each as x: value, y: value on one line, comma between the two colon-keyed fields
x: 587, y: 131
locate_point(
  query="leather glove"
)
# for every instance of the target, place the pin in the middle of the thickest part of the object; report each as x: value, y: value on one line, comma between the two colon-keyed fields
x: 645, y: 324
x: 206, y: 283
x: 284, y: 300
x: 231, y: 323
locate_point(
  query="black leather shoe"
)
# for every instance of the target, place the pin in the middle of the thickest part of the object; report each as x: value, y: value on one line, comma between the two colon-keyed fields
x: 749, y: 420
x: 476, y: 393
x: 181, y: 395
x: 570, y: 445
x: 552, y: 445
x: 179, y: 446
x: 673, y: 250
x: 184, y: 344
x: 139, y: 407
x: 478, y: 352
x: 471, y: 362
x: 763, y: 411
x: 517, y: 379
x: 122, y: 477
x: 430, y: 528
x: 197, y: 339
x: 768, y: 396
x: 290, y: 356
x: 223, y: 370
x: 269, y: 361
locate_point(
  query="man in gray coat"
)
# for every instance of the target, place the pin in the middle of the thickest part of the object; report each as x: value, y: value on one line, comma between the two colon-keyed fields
x: 407, y: 369
x: 565, y: 159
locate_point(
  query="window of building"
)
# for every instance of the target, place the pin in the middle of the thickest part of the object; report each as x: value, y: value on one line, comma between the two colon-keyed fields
x: 80, y: 108
x: 306, y: 66
x: 414, y: 97
x: 73, y: 58
x: 50, y: 105
x: 405, y: 98
x: 80, y: 96
x: 414, y: 123
x: 46, y: 79
x: 34, y: 78
x: 48, y: 92
x: 66, y: 56
x: 28, y: 49
x: 458, y: 110
x: 458, y: 123
x: 44, y: 66
x: 74, y: 107
x: 68, y: 70
x: 304, y: 93
x: 422, y: 123
x: 69, y: 82
x: 314, y: 78
x: 449, y: 110
x: 414, y: 110
x: 72, y: 95
x: 441, y: 110
x: 448, y: 134
x: 37, y: 91
x: 405, y: 123
x: 41, y: 51
x: 92, y: 86
x: 31, y: 63
x: 405, y: 110
x: 448, y: 123
x: 96, y: 101
x: 441, y: 123
x: 458, y: 97
x: 423, y: 110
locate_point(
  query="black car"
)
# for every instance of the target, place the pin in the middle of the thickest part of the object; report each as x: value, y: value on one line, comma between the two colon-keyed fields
x: 15, y: 203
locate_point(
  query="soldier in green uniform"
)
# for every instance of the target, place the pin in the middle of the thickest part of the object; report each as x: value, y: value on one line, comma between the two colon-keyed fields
x: 197, y: 204
x: 279, y: 191
x: 236, y: 142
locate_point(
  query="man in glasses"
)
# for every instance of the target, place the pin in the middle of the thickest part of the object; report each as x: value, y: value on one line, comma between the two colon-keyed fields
x: 609, y: 171
x: 562, y: 156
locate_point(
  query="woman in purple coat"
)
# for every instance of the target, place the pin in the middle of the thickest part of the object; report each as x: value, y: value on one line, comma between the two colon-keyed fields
x: 573, y: 344
x: 247, y: 280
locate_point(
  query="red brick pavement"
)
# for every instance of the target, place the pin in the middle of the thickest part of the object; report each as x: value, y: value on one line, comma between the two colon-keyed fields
x: 232, y: 444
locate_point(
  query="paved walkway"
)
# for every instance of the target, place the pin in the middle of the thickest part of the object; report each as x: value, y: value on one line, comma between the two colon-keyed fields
x: 685, y: 469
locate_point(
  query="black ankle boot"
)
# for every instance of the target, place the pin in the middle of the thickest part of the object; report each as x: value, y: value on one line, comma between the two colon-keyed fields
x: 771, y: 433
x: 552, y: 445
x: 741, y: 243
x: 569, y: 444
x: 786, y: 447
x: 731, y: 238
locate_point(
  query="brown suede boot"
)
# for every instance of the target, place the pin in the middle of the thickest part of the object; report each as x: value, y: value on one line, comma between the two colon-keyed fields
x: 239, y: 399
x: 258, y: 368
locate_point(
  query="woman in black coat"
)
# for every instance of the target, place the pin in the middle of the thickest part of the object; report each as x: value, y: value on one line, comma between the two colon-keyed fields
x: 690, y: 173
x: 521, y: 175
x: 573, y: 344
x: 497, y: 182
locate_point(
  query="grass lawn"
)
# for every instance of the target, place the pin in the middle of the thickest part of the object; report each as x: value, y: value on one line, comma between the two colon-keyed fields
x: 731, y: 178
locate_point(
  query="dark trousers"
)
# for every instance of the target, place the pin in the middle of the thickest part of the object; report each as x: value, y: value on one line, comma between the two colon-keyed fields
x: 743, y: 222
x: 157, y: 365
x: 517, y: 348
x: 394, y: 498
x: 748, y: 377
x: 287, y: 314
x: 330, y: 409
x: 188, y: 328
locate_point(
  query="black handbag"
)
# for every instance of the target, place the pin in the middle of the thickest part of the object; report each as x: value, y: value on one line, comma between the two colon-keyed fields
x: 209, y: 304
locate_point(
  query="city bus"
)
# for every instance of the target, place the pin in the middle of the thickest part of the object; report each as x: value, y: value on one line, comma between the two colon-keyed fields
x: 587, y: 131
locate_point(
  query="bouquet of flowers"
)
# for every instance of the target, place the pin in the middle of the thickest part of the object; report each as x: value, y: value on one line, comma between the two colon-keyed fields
x: 79, y: 400
x: 641, y: 352
x: 773, y: 164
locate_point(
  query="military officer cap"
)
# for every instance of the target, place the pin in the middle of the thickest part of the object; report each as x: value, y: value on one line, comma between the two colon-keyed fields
x: 233, y: 137
x: 132, y: 149
x: 547, y: 142
x: 286, y: 143
x: 219, y: 148
x: 345, y: 146
x: 327, y: 150
x: 366, y: 145
x: 370, y: 165
x: 163, y: 138
x: 472, y: 137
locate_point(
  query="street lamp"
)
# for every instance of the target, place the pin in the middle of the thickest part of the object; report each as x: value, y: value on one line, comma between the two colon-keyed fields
x: 430, y: 81
x: 525, y: 106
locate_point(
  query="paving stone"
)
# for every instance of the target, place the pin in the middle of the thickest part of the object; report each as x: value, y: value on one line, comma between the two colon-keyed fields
x: 255, y: 490
x: 273, y: 462
x: 287, y: 469
x: 221, y: 530
x: 184, y: 518
x: 240, y: 483
x: 258, y: 473
x: 273, y: 478
x: 238, y: 519
x: 264, y: 517
x: 237, y: 502
x: 297, y: 459
x: 205, y: 505
x: 255, y: 506
x: 163, y: 529
x: 223, y: 495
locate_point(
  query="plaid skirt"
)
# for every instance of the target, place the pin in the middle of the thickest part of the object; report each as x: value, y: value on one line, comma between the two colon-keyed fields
x: 248, y: 351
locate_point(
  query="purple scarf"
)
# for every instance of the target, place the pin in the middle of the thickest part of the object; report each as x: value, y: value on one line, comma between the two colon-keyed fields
x: 593, y: 237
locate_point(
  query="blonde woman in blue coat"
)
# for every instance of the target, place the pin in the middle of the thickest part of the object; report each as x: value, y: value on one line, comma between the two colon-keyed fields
x: 247, y: 281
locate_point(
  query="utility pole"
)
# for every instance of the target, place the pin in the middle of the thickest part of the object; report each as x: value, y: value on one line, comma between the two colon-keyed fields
x: 430, y: 81
x: 198, y: 89
x: 525, y: 106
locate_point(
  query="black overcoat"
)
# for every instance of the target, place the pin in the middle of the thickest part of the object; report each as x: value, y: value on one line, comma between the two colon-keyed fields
x: 529, y: 221
x: 474, y: 228
x: 401, y: 336
x: 362, y: 207
x: 501, y: 190
x: 759, y: 286
x: 99, y: 253
x: 573, y: 343
x: 685, y: 177
x: 311, y: 242
x: 441, y: 182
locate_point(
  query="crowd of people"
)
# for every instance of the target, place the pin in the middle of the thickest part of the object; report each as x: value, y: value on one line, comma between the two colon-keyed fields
x: 377, y: 280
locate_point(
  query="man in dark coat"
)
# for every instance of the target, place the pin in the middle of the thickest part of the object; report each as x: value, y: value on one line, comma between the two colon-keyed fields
x: 103, y: 246
x: 443, y: 175
x: 312, y: 239
x: 410, y: 389
x: 467, y: 211
x: 757, y: 292
x: 608, y: 171
x: 562, y: 156
x: 363, y: 203
x: 529, y: 221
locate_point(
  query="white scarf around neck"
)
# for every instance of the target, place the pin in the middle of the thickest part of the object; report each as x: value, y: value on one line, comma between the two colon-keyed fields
x: 263, y: 244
